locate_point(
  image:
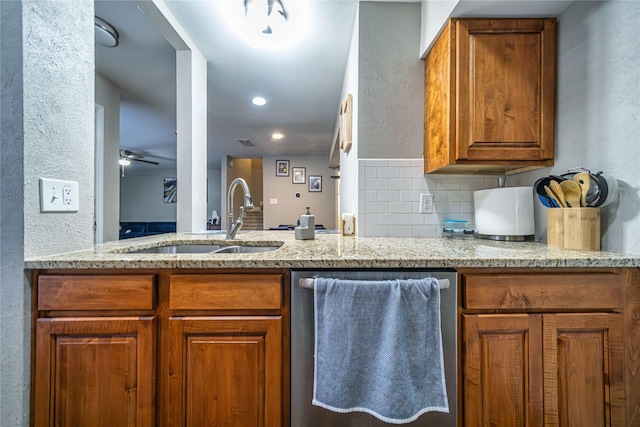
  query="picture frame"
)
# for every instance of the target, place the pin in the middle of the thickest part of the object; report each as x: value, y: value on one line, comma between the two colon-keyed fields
x: 299, y: 175
x: 282, y: 167
x: 315, y: 183
x: 170, y: 188
x: 346, y: 118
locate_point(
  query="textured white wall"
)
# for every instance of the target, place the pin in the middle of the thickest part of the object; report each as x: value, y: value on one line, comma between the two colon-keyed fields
x: 598, y: 112
x: 47, y: 114
x: 58, y: 78
x: 391, y: 81
x: 349, y: 161
x: 141, y: 195
x: 108, y: 95
x: 15, y: 306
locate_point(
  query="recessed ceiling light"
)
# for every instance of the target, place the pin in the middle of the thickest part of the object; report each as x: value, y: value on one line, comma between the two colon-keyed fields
x: 277, y: 135
x: 258, y: 100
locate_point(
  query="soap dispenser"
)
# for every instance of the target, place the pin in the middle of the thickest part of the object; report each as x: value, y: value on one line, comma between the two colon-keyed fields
x: 307, y: 228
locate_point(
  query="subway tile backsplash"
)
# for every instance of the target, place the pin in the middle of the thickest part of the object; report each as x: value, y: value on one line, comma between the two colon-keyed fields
x: 389, y: 198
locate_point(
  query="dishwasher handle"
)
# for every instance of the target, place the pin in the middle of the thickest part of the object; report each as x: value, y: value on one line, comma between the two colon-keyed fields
x: 310, y: 282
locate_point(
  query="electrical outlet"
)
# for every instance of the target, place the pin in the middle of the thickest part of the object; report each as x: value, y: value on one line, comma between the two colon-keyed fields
x: 58, y: 196
x: 426, y: 203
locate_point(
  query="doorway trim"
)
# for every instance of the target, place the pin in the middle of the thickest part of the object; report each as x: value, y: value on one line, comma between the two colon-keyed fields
x: 98, y: 220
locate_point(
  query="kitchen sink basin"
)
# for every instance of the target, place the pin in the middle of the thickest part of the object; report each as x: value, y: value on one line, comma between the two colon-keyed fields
x: 237, y: 249
x: 204, y: 249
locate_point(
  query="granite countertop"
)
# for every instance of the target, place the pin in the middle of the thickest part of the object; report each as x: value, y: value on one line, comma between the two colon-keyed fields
x: 332, y: 251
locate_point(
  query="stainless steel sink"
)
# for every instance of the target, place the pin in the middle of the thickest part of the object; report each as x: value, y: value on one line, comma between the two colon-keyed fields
x: 237, y: 249
x: 204, y: 249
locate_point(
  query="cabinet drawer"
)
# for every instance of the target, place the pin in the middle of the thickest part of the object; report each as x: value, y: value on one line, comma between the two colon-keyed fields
x: 542, y: 291
x: 225, y: 291
x: 99, y: 292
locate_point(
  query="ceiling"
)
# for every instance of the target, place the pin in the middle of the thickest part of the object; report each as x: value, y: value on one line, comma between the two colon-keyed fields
x: 301, y: 83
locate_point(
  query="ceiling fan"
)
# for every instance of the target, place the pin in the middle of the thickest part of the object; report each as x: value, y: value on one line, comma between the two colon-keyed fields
x: 127, y: 156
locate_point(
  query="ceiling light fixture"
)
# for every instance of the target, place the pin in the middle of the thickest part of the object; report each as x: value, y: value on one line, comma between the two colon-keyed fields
x: 277, y: 136
x: 259, y: 101
x: 268, y: 24
x: 104, y: 33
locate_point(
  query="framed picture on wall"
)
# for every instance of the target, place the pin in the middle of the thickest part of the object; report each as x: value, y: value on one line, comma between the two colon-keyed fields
x: 299, y: 175
x: 282, y: 167
x: 315, y: 183
x: 170, y: 188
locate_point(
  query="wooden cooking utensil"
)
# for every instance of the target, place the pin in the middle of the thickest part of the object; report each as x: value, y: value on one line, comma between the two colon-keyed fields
x: 557, y: 190
x: 553, y: 196
x: 572, y: 193
x: 584, y: 180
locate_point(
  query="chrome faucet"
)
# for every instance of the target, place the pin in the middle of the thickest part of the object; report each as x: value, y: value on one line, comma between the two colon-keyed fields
x: 234, y: 227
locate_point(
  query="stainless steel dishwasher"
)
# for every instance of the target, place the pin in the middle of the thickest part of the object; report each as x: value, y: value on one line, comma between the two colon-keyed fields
x: 303, y: 413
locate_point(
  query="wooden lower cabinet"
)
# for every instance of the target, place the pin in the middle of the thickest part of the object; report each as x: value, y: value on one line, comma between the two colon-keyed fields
x: 95, y: 371
x: 225, y: 371
x: 543, y: 370
x: 160, y: 348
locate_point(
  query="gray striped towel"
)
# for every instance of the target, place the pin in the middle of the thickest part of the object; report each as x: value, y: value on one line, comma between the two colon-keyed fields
x: 378, y: 348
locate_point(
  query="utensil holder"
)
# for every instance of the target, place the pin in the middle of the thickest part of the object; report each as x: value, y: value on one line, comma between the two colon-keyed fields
x: 574, y: 228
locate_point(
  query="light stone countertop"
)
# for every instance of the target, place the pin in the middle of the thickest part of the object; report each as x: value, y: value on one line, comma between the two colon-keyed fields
x: 332, y: 251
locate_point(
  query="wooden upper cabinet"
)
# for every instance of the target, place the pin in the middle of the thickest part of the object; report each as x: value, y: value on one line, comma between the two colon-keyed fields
x: 490, y: 96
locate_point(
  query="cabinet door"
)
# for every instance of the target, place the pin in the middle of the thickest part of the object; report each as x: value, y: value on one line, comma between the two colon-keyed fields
x: 225, y: 371
x: 506, y: 89
x: 95, y: 372
x: 583, y: 367
x: 502, y: 370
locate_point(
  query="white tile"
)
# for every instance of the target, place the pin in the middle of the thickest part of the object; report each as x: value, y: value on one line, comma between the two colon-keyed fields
x: 400, y: 207
x: 440, y: 196
x: 400, y: 162
x: 419, y: 184
x: 460, y: 196
x: 376, y: 184
x: 388, y: 196
x: 376, y: 231
x: 400, y: 231
x: 466, y: 207
x: 388, y: 172
x: 377, y: 207
x: 387, y: 219
x: 369, y: 219
x: 412, y: 219
x: 362, y: 171
x: 371, y: 172
x: 399, y: 184
x: 425, y: 231
x: 448, y: 184
x: 433, y: 219
x: 448, y: 207
x: 371, y: 195
x: 418, y: 163
x: 376, y: 162
x: 410, y: 195
x: 413, y: 173
x: 472, y: 184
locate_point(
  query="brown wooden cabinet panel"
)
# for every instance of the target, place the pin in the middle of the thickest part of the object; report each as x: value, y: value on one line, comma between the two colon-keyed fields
x: 96, y: 292
x: 225, y: 291
x: 95, y: 372
x: 502, y: 370
x: 490, y: 96
x: 593, y: 291
x: 583, y: 361
x: 225, y: 371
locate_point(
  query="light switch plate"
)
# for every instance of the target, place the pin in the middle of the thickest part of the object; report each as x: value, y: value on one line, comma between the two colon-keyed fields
x: 58, y: 196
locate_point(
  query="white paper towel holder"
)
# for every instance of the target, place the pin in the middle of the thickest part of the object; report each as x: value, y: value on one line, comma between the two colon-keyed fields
x: 526, y: 203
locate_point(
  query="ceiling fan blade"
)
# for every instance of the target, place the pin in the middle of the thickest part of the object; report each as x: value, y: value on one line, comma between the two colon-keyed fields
x: 143, y: 161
